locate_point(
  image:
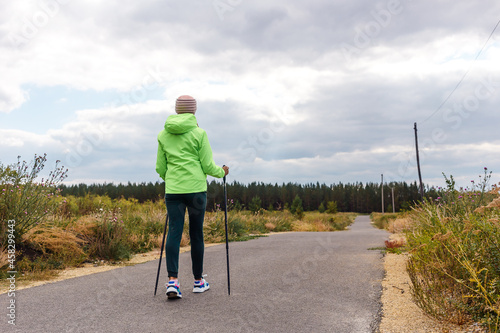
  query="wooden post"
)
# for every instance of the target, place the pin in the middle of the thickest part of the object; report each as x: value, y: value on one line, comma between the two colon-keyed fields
x: 418, y: 165
x: 382, y: 193
x: 393, y: 208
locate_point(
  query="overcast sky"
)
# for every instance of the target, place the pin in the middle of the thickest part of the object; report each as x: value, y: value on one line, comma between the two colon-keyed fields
x: 288, y: 91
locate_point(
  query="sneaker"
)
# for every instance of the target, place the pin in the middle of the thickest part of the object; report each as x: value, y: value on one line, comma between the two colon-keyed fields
x: 173, y: 291
x: 200, y: 286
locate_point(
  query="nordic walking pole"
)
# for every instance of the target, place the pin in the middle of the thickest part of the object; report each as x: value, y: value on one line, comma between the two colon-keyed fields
x: 227, y: 244
x: 161, y: 252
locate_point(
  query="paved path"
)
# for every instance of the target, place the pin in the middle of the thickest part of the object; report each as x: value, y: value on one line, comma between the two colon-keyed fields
x: 292, y: 282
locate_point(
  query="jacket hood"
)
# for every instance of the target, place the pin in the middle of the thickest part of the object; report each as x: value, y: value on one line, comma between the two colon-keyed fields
x: 180, y: 123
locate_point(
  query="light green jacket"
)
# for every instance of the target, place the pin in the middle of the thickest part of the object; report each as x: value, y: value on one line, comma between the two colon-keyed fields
x: 184, y: 156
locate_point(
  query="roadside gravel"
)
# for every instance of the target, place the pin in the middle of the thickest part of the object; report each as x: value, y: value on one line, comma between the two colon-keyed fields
x: 399, y: 313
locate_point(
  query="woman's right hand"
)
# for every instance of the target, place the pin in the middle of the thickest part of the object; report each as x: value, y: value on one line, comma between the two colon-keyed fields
x: 226, y: 170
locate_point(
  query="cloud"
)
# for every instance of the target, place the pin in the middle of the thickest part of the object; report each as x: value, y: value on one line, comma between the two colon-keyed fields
x: 11, y: 98
x: 286, y: 90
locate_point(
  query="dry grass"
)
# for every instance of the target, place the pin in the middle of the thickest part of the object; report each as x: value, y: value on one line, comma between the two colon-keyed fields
x: 492, y: 205
x: 270, y: 226
x: 4, y: 257
x: 54, y: 240
x: 315, y: 221
x: 400, y: 225
x: 310, y: 226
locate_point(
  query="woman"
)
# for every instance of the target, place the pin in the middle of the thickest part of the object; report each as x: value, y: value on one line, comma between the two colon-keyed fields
x: 184, y: 160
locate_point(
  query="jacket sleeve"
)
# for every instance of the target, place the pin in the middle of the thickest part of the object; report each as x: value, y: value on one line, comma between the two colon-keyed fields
x: 207, y: 163
x: 161, y: 161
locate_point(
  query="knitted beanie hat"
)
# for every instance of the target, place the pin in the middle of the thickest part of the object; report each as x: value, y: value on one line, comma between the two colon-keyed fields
x: 185, y: 104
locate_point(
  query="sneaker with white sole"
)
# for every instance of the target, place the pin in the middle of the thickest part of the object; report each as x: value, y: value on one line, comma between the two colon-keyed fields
x: 200, y: 286
x: 173, y: 290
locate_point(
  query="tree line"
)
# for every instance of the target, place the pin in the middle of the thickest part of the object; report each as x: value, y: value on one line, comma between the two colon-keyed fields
x: 351, y: 197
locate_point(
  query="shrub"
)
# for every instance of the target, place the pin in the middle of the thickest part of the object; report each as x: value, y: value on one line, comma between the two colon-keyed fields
x: 108, y: 239
x: 321, y: 208
x: 235, y: 206
x: 331, y: 207
x: 454, y: 264
x: 297, y: 208
x: 24, y: 200
x: 255, y: 205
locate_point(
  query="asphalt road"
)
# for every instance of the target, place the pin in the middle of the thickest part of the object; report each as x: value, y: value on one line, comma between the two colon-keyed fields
x: 291, y: 282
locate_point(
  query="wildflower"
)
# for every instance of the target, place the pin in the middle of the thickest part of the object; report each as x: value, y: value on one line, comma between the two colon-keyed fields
x: 460, y: 197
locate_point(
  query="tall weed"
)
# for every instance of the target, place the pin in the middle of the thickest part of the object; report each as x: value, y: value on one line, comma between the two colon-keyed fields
x: 454, y: 262
x: 23, y: 199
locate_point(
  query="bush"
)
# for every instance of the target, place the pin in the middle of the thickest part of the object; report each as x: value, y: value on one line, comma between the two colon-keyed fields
x: 107, y: 238
x: 331, y: 207
x: 321, y: 208
x: 24, y: 200
x: 297, y: 208
x: 454, y: 264
x: 255, y: 205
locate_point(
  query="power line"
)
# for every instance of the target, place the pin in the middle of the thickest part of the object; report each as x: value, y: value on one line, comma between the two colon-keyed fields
x: 463, y: 77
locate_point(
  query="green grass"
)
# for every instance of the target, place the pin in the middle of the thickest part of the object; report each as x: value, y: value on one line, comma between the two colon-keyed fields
x: 382, y: 221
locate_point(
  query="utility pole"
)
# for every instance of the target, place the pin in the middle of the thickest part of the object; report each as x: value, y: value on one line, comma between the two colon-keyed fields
x: 393, y: 208
x: 382, y: 193
x: 418, y: 164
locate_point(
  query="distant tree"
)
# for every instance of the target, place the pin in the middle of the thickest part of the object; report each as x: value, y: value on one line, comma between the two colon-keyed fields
x: 255, y: 204
x: 331, y: 207
x: 236, y: 206
x: 297, y: 206
x: 355, y: 197
x: 299, y: 212
x: 321, y: 208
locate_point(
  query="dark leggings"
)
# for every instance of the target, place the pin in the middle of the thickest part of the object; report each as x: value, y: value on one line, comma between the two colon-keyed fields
x: 176, y: 208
